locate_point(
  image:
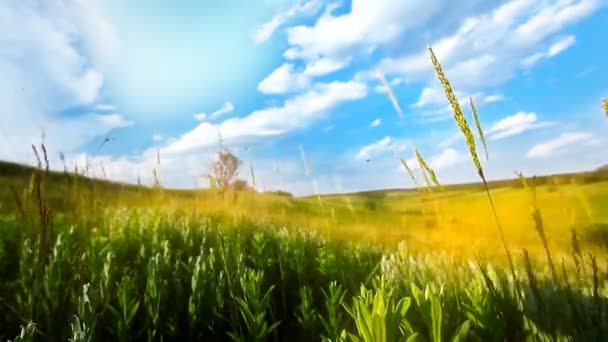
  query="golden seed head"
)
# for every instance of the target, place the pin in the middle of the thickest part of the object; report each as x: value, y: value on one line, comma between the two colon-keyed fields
x: 409, y: 171
x: 458, y: 115
x: 605, y: 105
x: 427, y: 169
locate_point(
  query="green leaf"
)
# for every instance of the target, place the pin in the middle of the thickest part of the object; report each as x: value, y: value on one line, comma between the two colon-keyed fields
x: 416, y: 337
x: 462, y: 332
x: 436, y: 316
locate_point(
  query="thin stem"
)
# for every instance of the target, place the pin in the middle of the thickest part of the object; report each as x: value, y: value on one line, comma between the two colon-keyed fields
x: 500, y: 231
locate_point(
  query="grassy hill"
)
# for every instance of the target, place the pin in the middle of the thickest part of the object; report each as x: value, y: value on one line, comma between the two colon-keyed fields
x: 450, y: 221
x: 95, y: 260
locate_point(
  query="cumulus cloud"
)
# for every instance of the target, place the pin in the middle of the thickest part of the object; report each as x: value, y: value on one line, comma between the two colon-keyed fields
x: 284, y: 79
x: 487, y: 49
x: 446, y: 158
x: 379, y: 148
x: 226, y: 108
x: 375, y: 123
x: 493, y: 98
x: 555, y: 49
x: 561, y: 45
x: 295, y: 113
x: 367, y: 24
x: 44, y: 73
x: 324, y: 66
x: 263, y: 32
x: 550, y: 147
x: 515, y: 124
x: 430, y: 95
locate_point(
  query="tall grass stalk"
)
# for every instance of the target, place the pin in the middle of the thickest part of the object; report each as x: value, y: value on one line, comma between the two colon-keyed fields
x: 538, y: 220
x: 479, y: 129
x: 38, y: 160
x: 408, y: 169
x: 426, y: 168
x: 391, y: 94
x: 470, y: 140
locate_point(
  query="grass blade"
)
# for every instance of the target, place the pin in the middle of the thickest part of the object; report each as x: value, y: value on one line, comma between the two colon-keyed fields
x: 478, y: 124
x: 391, y: 95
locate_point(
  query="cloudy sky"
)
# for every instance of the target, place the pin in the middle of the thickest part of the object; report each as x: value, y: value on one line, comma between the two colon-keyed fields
x: 292, y: 88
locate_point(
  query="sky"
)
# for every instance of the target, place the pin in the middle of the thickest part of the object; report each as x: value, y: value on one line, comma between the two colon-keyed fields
x: 292, y: 88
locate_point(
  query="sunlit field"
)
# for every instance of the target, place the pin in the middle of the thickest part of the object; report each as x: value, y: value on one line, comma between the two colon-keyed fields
x: 514, y: 260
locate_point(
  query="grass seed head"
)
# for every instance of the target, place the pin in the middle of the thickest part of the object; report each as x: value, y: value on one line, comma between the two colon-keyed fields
x: 605, y: 105
x: 458, y: 115
x: 427, y: 169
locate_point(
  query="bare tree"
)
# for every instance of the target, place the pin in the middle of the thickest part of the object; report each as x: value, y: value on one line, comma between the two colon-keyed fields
x: 225, y: 170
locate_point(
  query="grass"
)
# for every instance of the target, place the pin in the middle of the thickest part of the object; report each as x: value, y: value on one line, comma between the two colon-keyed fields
x: 137, y: 263
x: 91, y: 260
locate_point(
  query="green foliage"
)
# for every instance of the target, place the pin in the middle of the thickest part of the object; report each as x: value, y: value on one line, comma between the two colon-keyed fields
x: 171, y: 276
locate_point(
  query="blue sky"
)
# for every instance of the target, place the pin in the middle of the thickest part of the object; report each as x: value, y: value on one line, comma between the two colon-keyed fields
x: 274, y: 77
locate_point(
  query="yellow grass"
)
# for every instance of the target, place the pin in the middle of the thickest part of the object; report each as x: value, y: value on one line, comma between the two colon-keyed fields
x: 464, y: 229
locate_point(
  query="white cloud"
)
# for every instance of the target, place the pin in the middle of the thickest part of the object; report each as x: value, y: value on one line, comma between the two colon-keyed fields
x: 111, y: 120
x: 488, y: 48
x: 367, y: 24
x: 284, y: 79
x: 263, y: 32
x: 561, y: 45
x: 430, y: 95
x: 375, y: 123
x: 515, y: 124
x: 226, y: 108
x: 44, y: 72
x: 532, y: 59
x: 493, y: 98
x: 200, y: 116
x: 379, y: 146
x: 381, y: 88
x: 451, y: 140
x: 296, y: 113
x: 105, y: 107
x: 549, y: 148
x: 435, y: 105
x: 448, y: 157
x: 555, y: 49
x: 325, y: 65
x: 157, y: 137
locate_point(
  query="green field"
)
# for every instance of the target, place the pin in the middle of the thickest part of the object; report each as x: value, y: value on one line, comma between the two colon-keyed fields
x: 86, y: 260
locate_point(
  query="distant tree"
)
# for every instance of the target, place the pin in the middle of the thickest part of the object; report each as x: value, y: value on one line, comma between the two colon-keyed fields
x: 241, y: 185
x: 225, y: 170
x: 280, y: 193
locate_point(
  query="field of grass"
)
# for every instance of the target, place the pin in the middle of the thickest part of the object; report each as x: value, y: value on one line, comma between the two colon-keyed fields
x: 515, y: 260
x: 92, y: 261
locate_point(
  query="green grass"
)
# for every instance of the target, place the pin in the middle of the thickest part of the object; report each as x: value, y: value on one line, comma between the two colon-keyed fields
x: 123, y: 268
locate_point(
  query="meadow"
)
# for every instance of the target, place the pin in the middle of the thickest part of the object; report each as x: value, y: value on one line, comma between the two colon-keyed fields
x: 514, y: 260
